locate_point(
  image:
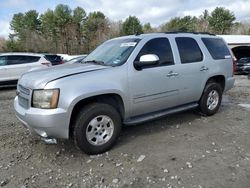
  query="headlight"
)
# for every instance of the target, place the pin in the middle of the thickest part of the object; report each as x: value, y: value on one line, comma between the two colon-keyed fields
x: 47, y: 98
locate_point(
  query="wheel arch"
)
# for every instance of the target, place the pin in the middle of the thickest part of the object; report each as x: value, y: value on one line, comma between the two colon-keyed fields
x: 112, y: 99
x: 220, y: 79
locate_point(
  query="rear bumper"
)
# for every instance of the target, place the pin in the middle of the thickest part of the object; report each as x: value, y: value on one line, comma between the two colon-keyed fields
x: 229, y: 83
x: 47, y: 123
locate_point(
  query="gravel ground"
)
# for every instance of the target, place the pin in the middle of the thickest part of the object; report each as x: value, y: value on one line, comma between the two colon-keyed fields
x: 182, y: 150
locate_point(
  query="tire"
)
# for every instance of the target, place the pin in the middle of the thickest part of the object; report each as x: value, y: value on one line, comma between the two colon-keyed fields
x: 97, y: 128
x: 211, y: 98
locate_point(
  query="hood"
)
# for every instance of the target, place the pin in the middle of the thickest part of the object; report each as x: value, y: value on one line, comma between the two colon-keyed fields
x: 39, y: 78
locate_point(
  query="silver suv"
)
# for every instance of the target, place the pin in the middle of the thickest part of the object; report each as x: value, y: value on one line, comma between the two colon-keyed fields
x: 125, y: 81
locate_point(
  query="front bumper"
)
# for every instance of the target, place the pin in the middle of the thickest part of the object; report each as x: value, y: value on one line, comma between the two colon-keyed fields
x: 47, y: 123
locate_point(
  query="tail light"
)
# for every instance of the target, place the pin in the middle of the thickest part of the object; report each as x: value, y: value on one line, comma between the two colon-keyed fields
x: 61, y: 62
x: 47, y: 63
x: 234, y: 64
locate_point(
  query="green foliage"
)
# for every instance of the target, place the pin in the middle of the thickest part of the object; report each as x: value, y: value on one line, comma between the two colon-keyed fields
x: 185, y: 24
x: 221, y: 20
x: 147, y: 28
x: 131, y: 26
x: 95, y: 29
x: 64, y: 30
x: 79, y: 15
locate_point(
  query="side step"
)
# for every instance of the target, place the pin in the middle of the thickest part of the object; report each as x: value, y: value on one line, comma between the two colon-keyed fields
x: 159, y: 114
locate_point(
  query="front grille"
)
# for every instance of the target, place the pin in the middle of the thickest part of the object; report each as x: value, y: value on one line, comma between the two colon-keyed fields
x: 24, y: 90
x: 23, y: 102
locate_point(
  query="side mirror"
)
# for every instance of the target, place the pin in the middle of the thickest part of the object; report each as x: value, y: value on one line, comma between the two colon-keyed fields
x: 146, y: 60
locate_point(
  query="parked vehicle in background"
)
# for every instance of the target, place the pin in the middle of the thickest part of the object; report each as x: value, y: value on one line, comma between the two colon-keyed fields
x: 54, y: 59
x: 67, y: 57
x: 13, y: 65
x: 127, y: 80
x: 243, y: 66
x: 77, y: 59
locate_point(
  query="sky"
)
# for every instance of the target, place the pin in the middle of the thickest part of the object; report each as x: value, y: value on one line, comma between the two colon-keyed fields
x: 154, y: 11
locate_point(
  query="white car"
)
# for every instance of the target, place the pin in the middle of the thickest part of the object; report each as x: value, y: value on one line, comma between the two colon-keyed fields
x: 13, y: 65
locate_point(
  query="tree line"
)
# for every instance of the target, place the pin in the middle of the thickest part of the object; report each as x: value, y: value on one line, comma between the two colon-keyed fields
x: 64, y: 30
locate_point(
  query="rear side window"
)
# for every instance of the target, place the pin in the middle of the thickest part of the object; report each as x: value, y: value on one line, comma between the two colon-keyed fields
x: 160, y: 47
x: 216, y: 47
x: 189, y: 50
x: 2, y: 60
x: 21, y: 59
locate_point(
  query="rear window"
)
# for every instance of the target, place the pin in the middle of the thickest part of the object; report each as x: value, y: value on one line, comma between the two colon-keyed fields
x: 216, y: 47
x: 21, y: 59
x: 189, y: 50
x: 53, y: 58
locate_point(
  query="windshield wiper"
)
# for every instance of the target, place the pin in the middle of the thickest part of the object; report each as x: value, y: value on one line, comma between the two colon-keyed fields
x: 95, y: 62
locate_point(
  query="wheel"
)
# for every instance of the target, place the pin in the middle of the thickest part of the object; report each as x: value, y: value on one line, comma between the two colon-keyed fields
x: 211, y: 99
x: 97, y: 128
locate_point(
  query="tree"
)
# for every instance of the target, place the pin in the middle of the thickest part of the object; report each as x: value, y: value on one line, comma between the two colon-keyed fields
x: 147, y: 28
x: 24, y: 26
x: 221, y: 20
x: 185, y: 24
x: 202, y: 24
x: 96, y: 29
x: 131, y: 26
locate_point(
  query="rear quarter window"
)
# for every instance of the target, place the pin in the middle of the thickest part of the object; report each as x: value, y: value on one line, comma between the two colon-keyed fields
x: 189, y: 50
x: 216, y: 47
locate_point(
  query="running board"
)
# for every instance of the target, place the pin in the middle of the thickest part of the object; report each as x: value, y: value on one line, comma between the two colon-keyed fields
x: 159, y: 114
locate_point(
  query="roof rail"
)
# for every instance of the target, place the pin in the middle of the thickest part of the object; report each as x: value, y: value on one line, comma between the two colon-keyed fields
x: 196, y: 33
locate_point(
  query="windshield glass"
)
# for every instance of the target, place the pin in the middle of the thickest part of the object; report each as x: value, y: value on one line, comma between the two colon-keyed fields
x: 113, y: 52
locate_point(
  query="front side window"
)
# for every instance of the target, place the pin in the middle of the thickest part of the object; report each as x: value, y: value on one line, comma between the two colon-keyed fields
x: 189, y: 50
x: 160, y: 47
x: 113, y: 52
x: 2, y: 60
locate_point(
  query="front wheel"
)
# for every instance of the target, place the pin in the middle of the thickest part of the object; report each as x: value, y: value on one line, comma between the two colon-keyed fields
x: 211, y: 99
x: 97, y: 128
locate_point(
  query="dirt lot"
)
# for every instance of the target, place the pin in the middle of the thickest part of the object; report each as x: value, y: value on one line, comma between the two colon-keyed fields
x: 183, y: 150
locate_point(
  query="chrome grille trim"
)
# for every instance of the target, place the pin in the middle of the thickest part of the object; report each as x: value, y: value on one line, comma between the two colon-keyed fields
x: 24, y: 90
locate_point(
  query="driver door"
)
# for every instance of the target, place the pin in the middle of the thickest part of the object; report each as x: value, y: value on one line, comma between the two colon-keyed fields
x: 154, y: 88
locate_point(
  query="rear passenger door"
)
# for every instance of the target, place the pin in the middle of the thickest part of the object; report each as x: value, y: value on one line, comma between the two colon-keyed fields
x: 192, y: 69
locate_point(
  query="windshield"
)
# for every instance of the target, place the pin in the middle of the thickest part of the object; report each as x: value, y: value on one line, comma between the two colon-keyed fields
x: 113, y: 52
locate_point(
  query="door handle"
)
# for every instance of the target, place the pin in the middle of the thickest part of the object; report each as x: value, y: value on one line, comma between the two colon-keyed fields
x: 171, y: 74
x: 203, y: 68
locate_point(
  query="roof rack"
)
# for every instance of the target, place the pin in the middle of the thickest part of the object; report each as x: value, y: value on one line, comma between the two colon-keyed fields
x: 196, y: 33
x: 180, y: 32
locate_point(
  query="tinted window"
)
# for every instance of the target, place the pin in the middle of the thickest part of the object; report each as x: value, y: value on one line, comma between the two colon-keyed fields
x: 160, y: 47
x: 54, y: 59
x: 216, y: 47
x: 2, y: 60
x: 189, y: 50
x: 21, y: 59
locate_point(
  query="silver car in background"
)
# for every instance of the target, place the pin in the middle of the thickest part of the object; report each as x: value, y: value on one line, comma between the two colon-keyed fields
x: 13, y: 65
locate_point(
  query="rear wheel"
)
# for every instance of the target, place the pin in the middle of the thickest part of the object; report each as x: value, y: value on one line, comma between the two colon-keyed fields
x: 97, y: 128
x: 211, y: 99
